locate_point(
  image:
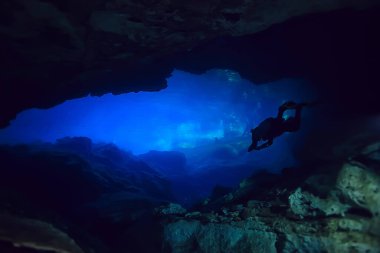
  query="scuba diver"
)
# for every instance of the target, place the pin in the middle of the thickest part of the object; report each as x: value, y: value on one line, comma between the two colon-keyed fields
x: 274, y: 127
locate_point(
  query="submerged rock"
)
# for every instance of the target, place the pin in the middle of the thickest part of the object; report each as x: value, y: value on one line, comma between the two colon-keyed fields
x: 58, y: 50
x: 306, y: 204
x: 361, y: 186
x: 334, y: 208
x: 97, y: 191
x: 192, y: 236
x: 270, y: 234
x: 170, y: 209
x: 35, y: 234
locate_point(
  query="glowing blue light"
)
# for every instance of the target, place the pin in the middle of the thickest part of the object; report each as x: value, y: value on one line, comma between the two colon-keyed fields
x: 192, y: 111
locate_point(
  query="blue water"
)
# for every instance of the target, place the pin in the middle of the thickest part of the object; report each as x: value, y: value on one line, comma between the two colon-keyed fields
x: 194, y: 110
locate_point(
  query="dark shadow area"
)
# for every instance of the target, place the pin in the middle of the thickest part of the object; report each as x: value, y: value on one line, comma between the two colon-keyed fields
x: 335, y: 51
x: 94, y: 192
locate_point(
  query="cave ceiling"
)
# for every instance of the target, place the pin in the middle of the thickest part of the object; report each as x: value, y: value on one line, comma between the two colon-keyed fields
x: 54, y: 50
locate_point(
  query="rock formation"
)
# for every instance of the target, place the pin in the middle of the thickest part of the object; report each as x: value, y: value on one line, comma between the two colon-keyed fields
x: 56, y: 50
x: 35, y: 234
x: 334, y: 207
x: 94, y: 194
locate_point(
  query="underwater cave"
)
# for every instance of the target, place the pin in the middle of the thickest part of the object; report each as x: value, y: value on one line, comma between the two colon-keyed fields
x: 189, y: 127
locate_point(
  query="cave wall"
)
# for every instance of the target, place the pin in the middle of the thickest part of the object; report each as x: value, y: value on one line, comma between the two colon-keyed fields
x: 55, y: 50
x: 336, y: 52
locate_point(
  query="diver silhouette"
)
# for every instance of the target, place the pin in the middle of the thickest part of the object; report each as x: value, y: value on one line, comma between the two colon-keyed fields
x: 274, y: 127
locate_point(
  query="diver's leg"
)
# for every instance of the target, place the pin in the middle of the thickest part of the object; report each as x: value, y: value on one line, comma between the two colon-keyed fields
x: 267, y: 144
x: 253, y: 146
x: 280, y: 112
x: 254, y: 141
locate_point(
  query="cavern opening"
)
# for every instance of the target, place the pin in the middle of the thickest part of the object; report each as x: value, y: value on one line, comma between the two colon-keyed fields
x: 194, y: 110
x: 205, y: 120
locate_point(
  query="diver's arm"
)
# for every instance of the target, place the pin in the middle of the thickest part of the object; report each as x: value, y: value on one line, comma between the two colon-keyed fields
x: 280, y: 112
x: 285, y: 106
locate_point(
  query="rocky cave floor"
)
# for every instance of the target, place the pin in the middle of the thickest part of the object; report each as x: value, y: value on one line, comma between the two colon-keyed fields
x: 76, y: 196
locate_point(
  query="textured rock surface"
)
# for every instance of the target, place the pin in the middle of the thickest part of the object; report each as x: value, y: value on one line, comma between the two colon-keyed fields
x: 54, y: 50
x: 192, y: 236
x: 333, y: 208
x: 360, y: 186
x: 307, y: 204
x: 35, y: 234
x: 270, y: 235
x: 170, y: 209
